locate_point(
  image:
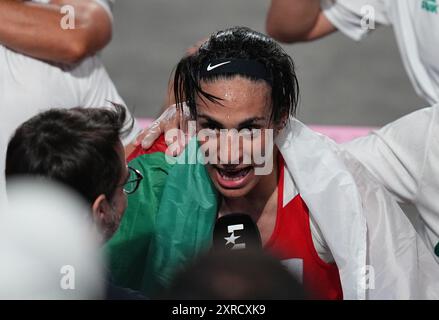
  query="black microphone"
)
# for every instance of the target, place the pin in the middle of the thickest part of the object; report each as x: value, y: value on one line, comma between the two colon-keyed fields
x: 236, y: 231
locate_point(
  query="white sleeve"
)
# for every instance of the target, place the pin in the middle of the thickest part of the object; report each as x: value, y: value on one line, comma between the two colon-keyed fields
x: 350, y: 16
x: 108, y: 6
x: 100, y: 92
x: 404, y: 156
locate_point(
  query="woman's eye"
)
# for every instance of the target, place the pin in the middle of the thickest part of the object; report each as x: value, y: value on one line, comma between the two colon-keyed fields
x: 248, y: 133
x: 256, y: 133
x: 250, y: 129
x: 212, y: 130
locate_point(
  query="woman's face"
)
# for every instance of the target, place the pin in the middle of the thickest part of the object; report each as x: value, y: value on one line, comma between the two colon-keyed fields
x: 245, y: 106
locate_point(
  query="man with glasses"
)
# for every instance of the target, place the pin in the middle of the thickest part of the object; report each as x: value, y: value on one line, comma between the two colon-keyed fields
x: 82, y: 149
x: 133, y: 181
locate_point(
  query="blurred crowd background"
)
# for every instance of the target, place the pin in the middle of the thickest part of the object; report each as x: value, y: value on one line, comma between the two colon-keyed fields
x: 342, y: 82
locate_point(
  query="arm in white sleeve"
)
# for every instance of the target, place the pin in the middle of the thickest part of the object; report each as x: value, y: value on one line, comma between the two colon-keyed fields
x: 61, y: 31
x: 352, y: 17
x: 404, y: 155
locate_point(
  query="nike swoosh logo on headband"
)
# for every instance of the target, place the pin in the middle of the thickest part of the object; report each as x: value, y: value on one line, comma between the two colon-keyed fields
x: 210, y: 68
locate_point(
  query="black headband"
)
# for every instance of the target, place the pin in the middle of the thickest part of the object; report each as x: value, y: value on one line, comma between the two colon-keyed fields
x: 249, y: 68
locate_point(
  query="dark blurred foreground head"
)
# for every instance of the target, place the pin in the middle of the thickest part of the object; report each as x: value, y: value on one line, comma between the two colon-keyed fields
x: 235, y: 275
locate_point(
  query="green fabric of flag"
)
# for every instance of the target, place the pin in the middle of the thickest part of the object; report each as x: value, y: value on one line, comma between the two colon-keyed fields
x: 168, y: 222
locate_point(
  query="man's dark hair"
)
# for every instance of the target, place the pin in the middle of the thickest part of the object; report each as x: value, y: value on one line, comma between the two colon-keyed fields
x: 239, y: 43
x: 75, y: 146
x: 235, y: 275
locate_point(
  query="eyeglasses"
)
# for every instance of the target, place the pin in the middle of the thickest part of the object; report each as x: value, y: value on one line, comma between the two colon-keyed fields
x: 133, y: 181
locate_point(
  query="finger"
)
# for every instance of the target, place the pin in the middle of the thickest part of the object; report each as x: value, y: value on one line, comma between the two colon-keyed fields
x: 176, y: 144
x: 172, y: 126
x: 187, y: 125
x: 153, y: 132
x: 174, y: 118
x: 151, y: 135
x: 139, y: 138
x: 173, y: 150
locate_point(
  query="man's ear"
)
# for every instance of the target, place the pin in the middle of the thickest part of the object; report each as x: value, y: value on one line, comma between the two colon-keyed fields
x: 101, y: 209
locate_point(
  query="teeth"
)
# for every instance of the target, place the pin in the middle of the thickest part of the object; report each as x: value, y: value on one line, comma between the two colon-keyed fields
x: 233, y: 176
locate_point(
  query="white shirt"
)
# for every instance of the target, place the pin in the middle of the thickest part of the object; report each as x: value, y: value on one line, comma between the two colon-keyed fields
x: 358, y: 218
x: 106, y: 4
x: 29, y: 86
x: 416, y: 27
x: 404, y: 157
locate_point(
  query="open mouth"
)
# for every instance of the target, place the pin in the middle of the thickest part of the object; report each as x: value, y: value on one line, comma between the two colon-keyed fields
x: 235, y: 178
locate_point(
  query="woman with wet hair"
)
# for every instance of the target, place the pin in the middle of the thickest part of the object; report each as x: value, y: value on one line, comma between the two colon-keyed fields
x: 317, y: 208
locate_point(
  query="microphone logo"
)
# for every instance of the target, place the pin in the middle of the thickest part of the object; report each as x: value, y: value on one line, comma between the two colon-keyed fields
x: 232, y: 238
x: 236, y: 231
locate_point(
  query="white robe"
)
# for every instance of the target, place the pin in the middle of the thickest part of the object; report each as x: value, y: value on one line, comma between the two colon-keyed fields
x: 377, y: 250
x: 404, y: 157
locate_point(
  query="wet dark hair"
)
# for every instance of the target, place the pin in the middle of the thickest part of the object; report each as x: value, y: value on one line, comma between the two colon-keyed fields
x: 239, y: 43
x: 75, y: 146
